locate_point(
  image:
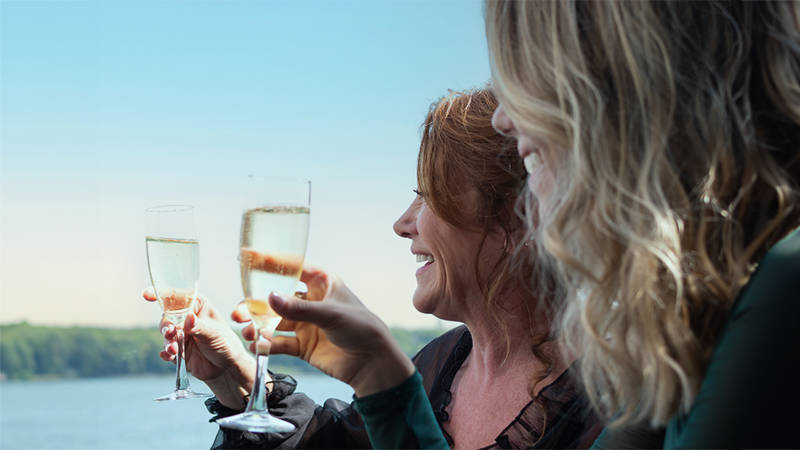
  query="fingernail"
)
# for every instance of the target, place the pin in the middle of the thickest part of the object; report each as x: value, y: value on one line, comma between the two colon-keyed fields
x: 164, y: 330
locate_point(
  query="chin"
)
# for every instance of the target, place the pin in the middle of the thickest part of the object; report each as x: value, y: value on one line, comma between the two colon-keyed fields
x: 423, y: 307
x: 424, y: 303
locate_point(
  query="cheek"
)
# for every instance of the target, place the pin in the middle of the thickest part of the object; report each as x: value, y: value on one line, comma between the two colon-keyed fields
x: 542, y: 181
x: 458, y: 278
x: 425, y: 226
x: 541, y: 184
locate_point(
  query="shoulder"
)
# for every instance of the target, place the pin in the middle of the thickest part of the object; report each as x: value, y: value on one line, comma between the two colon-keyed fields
x: 776, y: 282
x: 784, y: 257
x: 753, y: 369
x: 443, y: 344
x: 432, y: 359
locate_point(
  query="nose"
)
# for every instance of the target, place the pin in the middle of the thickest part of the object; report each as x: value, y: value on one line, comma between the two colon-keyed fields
x: 406, y: 225
x: 501, y: 122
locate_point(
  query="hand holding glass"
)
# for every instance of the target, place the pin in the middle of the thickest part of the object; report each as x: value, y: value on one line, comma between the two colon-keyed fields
x: 173, y: 264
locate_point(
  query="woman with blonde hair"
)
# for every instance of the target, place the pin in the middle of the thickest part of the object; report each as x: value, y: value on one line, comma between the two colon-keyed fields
x: 661, y: 144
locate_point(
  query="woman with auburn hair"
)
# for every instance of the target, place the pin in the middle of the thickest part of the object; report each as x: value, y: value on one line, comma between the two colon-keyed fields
x: 497, y: 381
x: 661, y: 144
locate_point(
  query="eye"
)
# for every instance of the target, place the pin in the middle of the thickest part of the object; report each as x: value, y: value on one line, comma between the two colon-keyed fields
x: 418, y: 192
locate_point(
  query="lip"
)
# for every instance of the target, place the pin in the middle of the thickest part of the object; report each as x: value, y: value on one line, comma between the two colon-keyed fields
x: 527, y: 145
x: 523, y: 150
x: 425, y: 268
x: 427, y: 265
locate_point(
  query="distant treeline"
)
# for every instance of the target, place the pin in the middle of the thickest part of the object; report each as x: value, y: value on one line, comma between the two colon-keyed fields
x: 31, y: 351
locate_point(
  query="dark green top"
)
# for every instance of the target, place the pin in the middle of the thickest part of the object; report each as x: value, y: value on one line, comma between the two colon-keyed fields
x: 749, y: 397
x: 750, y: 394
x: 401, y: 417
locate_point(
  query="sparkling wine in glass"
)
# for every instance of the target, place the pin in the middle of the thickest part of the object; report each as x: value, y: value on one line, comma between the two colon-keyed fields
x: 273, y: 241
x: 173, y: 264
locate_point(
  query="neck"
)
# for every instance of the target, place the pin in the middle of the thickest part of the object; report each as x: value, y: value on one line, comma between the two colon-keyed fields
x: 495, y: 353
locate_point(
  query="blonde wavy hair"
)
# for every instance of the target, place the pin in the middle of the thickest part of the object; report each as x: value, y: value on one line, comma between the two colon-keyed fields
x: 676, y: 130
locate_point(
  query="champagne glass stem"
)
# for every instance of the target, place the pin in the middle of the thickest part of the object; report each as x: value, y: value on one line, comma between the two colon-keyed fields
x: 258, y: 398
x: 256, y: 417
x: 182, y: 379
x: 182, y: 389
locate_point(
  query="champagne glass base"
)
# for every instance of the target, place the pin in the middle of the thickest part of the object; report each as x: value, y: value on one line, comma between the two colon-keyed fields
x: 181, y: 394
x: 256, y: 422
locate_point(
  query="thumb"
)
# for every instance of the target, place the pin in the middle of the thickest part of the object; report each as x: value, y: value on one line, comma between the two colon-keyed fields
x: 196, y: 327
x: 295, y: 309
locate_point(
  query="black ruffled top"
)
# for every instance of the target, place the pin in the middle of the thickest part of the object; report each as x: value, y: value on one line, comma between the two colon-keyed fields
x: 569, y: 424
x: 336, y: 424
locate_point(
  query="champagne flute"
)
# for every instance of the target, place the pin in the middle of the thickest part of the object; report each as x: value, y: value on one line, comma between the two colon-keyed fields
x: 274, y: 228
x: 173, y: 265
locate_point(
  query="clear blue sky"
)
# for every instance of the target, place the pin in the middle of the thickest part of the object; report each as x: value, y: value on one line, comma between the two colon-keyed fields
x: 108, y: 107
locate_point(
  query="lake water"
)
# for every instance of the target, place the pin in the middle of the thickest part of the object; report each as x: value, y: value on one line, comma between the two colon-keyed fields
x: 118, y: 413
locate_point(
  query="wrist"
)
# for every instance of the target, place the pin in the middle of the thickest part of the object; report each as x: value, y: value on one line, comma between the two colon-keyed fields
x: 232, y: 387
x: 384, y: 371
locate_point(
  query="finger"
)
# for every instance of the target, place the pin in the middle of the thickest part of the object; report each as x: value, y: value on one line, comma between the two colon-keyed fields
x: 240, y: 314
x: 249, y: 332
x: 286, y: 325
x: 205, y: 332
x: 278, y: 345
x: 149, y: 295
x: 310, y: 273
x: 169, y: 331
x: 166, y: 356
x: 265, y: 333
x: 318, y: 313
x: 317, y: 281
x: 262, y: 347
x: 171, y: 348
x: 190, y: 325
x: 282, y: 265
x: 206, y: 308
x: 188, y: 350
x: 285, y: 345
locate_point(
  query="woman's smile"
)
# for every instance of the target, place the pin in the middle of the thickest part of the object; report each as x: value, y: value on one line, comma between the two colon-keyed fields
x: 424, y: 258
